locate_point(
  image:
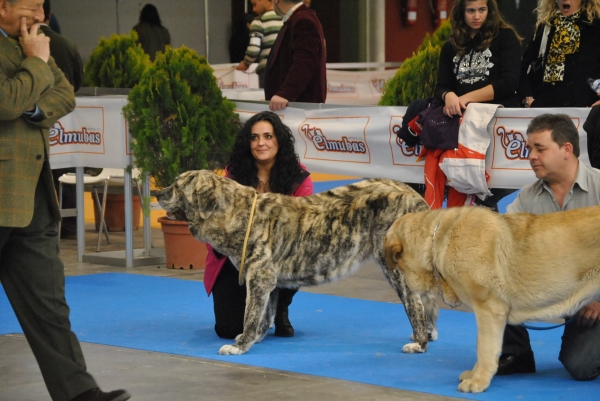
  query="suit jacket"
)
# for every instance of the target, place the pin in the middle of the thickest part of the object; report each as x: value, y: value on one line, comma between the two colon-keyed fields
x: 66, y: 56
x: 296, y: 66
x: 24, y: 147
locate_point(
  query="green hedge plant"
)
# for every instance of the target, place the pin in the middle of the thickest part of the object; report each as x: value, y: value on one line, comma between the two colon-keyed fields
x: 178, y: 117
x: 439, y: 36
x: 417, y: 76
x: 117, y: 62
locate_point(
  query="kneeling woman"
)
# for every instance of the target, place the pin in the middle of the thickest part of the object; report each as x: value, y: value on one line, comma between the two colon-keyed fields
x: 264, y: 158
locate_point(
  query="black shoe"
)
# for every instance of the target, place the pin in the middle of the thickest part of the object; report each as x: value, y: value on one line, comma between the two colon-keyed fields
x: 509, y: 364
x: 96, y: 394
x: 283, y: 327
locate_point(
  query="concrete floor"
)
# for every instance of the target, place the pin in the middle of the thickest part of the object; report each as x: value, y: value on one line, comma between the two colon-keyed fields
x: 153, y: 376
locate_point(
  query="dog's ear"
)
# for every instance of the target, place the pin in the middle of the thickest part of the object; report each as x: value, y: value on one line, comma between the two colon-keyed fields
x: 203, y: 193
x: 393, y: 250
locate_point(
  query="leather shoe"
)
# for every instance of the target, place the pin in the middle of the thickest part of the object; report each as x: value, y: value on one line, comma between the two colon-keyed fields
x: 509, y: 364
x: 96, y: 394
x: 283, y: 327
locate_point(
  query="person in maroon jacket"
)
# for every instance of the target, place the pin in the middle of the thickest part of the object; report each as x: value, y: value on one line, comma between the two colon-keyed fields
x: 296, y: 67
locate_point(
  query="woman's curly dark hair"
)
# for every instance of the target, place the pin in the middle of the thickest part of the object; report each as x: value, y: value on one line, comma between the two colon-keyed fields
x: 461, y: 33
x: 285, y: 173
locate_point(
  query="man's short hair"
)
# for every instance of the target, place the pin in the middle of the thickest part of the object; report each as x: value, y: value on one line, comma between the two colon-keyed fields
x: 561, y: 128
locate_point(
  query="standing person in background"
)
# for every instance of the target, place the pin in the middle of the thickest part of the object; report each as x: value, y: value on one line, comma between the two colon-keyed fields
x: 263, y: 157
x: 240, y: 38
x: 54, y: 25
x: 67, y: 58
x: 34, y: 94
x: 296, y: 67
x: 520, y: 15
x: 63, y: 51
x: 571, y: 31
x: 263, y: 33
x: 479, y: 64
x: 151, y: 34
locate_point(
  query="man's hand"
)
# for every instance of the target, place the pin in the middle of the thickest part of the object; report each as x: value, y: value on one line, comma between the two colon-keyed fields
x: 589, y: 314
x: 242, y: 66
x: 278, y: 103
x: 34, y: 44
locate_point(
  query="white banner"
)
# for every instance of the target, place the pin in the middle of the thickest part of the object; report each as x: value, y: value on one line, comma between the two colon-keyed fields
x: 228, y: 78
x: 359, y: 87
x: 362, y: 141
x: 343, y: 87
x: 95, y: 134
x: 353, y: 141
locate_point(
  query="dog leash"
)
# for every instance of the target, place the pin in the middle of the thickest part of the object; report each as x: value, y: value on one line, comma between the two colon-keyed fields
x: 548, y: 327
x: 436, y: 273
x: 241, y: 276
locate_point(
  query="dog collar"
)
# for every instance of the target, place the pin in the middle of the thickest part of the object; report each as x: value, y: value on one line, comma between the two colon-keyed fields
x: 241, y: 276
x: 436, y: 272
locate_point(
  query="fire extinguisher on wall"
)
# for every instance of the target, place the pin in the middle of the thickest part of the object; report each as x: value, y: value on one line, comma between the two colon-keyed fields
x: 439, y: 10
x: 411, y: 12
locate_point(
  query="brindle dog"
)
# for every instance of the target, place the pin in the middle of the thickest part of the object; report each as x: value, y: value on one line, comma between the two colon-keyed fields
x: 298, y: 241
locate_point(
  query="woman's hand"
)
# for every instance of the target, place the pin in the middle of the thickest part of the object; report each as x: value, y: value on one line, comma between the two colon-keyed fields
x: 453, y: 105
x: 596, y: 104
x: 528, y: 101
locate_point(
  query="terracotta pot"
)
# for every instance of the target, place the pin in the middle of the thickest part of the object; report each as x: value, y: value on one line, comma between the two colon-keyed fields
x: 114, y: 214
x: 182, y: 250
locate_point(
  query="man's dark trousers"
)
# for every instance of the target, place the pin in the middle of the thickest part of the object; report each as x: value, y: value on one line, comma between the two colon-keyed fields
x: 32, y: 275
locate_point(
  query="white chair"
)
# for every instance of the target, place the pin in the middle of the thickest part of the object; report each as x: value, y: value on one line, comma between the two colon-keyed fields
x: 107, y: 177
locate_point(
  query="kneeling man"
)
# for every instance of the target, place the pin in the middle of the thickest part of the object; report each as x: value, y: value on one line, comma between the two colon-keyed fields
x: 564, y: 183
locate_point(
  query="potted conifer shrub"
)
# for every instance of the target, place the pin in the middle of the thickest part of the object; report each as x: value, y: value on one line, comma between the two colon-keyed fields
x: 117, y: 62
x: 180, y: 121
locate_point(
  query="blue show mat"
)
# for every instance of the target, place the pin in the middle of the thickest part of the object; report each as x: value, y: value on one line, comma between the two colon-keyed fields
x: 507, y: 200
x: 336, y: 337
x: 322, y: 186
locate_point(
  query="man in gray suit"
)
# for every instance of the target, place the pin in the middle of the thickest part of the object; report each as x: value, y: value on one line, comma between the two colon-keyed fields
x: 34, y: 94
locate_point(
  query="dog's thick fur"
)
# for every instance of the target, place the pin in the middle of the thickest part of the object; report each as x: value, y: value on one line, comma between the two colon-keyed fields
x: 508, y: 268
x: 298, y: 241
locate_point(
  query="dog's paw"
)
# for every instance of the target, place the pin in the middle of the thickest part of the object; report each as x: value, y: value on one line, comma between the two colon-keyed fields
x: 412, y: 348
x: 472, y: 386
x: 466, y: 375
x: 230, y: 350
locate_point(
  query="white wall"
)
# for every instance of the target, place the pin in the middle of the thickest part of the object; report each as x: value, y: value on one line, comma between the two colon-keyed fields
x: 85, y: 21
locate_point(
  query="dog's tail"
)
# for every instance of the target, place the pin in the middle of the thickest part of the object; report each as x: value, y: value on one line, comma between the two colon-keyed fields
x: 392, y: 246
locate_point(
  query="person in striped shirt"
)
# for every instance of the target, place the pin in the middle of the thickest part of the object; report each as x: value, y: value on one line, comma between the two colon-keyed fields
x: 263, y: 32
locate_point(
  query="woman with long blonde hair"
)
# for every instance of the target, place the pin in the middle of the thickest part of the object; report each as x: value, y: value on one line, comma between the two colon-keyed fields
x: 563, y: 54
